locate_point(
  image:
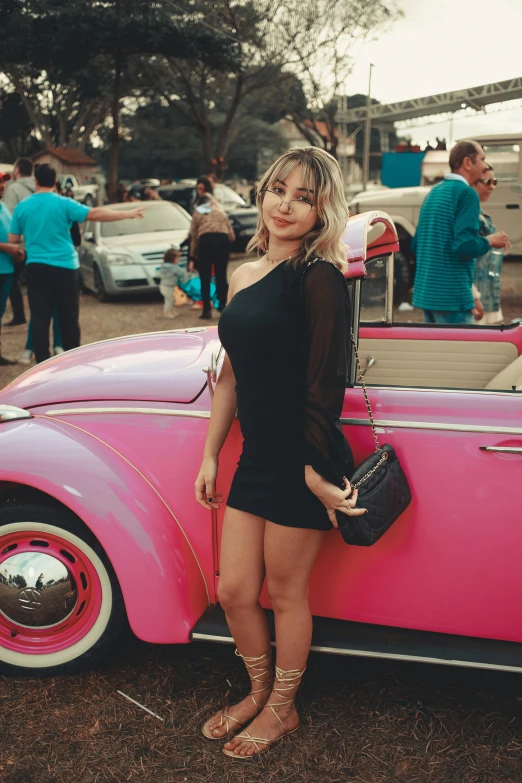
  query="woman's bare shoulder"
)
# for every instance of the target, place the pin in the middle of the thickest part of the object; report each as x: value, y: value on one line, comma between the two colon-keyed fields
x: 244, y: 275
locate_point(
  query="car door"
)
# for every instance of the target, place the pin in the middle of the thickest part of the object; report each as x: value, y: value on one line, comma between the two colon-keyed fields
x: 450, y: 563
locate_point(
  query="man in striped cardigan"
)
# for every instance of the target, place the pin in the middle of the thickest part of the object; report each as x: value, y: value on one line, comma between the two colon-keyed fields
x: 447, y: 241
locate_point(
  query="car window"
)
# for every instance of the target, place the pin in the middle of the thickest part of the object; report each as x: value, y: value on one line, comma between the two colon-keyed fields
x: 505, y: 160
x: 157, y: 217
x: 375, y: 291
x: 228, y: 197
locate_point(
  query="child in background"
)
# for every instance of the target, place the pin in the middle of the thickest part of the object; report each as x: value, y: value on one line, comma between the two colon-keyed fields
x: 170, y: 276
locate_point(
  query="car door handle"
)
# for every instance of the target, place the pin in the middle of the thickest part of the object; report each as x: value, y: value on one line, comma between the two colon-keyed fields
x: 211, y: 372
x: 512, y: 206
x: 503, y: 449
x: 370, y: 361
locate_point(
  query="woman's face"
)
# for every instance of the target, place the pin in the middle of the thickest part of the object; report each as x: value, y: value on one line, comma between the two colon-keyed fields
x: 484, y: 191
x: 289, y: 221
x: 200, y: 189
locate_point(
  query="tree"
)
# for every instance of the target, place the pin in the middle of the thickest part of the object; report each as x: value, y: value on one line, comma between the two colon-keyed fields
x: 73, y: 79
x: 17, y: 137
x: 292, y: 41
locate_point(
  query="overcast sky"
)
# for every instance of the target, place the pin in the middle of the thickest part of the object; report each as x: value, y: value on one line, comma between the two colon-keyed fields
x: 444, y: 45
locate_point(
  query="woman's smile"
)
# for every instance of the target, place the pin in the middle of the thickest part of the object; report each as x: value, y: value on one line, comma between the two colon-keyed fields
x: 281, y: 222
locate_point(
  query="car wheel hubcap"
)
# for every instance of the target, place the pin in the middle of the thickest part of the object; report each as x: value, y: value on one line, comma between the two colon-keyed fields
x: 50, y: 592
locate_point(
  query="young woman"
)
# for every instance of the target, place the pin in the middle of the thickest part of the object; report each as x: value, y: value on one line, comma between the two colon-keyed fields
x: 285, y: 334
x: 489, y: 266
x: 211, y: 235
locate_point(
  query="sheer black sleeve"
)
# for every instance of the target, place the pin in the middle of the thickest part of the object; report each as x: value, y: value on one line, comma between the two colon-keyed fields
x: 328, y: 321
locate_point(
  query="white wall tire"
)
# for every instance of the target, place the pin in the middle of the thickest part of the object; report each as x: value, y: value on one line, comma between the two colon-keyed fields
x: 61, y: 607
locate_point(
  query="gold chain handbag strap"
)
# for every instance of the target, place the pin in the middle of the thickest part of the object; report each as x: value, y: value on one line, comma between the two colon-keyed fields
x: 384, y: 455
x: 361, y: 379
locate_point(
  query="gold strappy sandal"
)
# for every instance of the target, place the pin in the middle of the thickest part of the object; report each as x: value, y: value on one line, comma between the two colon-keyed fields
x: 284, y: 681
x: 262, y: 667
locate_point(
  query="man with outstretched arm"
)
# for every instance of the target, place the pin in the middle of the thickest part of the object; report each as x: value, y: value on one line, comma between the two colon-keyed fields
x: 44, y: 220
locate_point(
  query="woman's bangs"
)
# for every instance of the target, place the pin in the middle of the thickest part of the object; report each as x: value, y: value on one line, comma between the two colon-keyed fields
x: 287, y: 166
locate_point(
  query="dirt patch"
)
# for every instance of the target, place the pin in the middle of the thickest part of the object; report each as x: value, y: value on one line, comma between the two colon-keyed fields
x: 362, y: 722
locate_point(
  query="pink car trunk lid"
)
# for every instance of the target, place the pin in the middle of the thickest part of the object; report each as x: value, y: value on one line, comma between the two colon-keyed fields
x: 162, y: 367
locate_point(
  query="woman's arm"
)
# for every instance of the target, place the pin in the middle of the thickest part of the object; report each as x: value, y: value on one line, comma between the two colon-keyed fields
x: 327, y: 326
x: 224, y: 406
x: 231, y: 232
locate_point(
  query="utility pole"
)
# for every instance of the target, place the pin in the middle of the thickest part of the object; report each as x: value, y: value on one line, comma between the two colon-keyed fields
x: 367, y: 131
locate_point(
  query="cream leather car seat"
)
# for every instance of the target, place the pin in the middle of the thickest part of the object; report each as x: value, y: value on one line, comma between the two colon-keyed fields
x: 509, y: 377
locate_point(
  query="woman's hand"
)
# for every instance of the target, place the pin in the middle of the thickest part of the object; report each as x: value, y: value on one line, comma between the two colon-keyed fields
x: 206, y: 484
x: 333, y: 498
x: 17, y: 252
x: 191, y: 265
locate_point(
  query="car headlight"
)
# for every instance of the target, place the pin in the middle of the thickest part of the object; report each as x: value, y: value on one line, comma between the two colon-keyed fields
x: 118, y: 259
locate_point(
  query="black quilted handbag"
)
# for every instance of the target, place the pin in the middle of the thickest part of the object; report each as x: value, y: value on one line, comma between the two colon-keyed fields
x: 383, y: 488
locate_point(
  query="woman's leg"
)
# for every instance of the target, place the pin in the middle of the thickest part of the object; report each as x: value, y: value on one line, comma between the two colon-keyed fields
x: 220, y: 264
x: 289, y: 556
x: 205, y: 253
x: 241, y: 578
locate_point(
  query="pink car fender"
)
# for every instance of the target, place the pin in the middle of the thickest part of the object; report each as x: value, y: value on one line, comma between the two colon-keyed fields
x: 163, y: 586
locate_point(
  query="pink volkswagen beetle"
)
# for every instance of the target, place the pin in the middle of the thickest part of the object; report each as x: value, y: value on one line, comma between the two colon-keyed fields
x: 100, y: 447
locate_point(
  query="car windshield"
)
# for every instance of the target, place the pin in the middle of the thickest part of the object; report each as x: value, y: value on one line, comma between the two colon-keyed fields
x: 157, y: 217
x: 228, y: 197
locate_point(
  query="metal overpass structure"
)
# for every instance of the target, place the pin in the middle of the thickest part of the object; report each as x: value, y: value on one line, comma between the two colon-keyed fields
x: 476, y: 98
x: 383, y: 116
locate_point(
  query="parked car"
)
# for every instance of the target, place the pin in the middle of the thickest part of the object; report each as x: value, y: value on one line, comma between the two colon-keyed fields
x: 242, y: 216
x: 123, y: 257
x: 85, y: 193
x: 404, y: 204
x: 100, y: 446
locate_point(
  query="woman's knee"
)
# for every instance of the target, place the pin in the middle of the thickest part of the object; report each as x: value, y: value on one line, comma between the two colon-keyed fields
x: 285, y: 596
x: 233, y: 596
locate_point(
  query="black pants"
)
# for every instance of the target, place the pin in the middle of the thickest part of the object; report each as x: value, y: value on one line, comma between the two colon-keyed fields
x: 213, y: 249
x: 15, y: 296
x: 50, y: 287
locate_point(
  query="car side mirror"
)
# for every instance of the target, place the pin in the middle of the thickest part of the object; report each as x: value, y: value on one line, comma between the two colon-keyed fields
x: 89, y: 237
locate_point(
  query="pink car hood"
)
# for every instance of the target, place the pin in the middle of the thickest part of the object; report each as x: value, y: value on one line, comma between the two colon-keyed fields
x: 162, y: 366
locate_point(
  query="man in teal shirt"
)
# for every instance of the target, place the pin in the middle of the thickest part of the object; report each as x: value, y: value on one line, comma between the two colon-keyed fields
x: 447, y: 241
x: 8, y: 254
x: 52, y: 270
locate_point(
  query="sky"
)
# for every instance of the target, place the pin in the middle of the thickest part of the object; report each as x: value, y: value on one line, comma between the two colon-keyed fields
x: 444, y: 45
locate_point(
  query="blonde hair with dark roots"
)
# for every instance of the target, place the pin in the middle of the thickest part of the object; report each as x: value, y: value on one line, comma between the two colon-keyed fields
x: 321, y: 173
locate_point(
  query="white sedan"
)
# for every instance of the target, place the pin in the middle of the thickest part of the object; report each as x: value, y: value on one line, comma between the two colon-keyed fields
x: 124, y: 257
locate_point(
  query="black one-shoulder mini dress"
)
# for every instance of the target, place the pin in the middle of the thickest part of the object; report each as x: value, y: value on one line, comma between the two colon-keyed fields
x: 287, y: 338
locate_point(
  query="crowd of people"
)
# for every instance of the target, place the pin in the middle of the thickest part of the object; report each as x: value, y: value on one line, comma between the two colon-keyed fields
x: 459, y: 253
x: 41, y: 232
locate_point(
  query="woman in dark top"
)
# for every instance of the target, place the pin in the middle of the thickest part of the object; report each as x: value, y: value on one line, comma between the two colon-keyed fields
x: 285, y: 330
x: 211, y: 235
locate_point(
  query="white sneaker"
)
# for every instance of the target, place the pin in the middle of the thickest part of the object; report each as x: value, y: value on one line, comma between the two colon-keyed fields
x: 405, y: 307
x: 58, y: 349
x: 25, y: 358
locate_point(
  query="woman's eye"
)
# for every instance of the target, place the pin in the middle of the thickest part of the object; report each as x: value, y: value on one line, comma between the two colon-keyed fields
x: 305, y: 200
